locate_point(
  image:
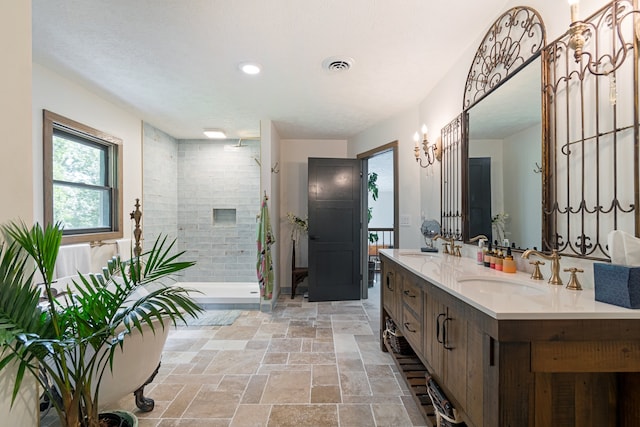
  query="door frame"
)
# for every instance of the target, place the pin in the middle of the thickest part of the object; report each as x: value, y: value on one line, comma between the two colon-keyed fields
x: 364, y: 157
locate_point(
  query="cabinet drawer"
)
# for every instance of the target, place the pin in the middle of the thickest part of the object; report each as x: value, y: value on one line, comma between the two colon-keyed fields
x: 389, y: 291
x: 412, y: 329
x: 412, y: 296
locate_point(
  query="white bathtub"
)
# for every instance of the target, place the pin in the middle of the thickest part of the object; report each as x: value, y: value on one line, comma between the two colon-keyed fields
x: 224, y: 295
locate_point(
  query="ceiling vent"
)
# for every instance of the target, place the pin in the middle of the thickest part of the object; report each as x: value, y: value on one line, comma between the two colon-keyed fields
x: 337, y: 64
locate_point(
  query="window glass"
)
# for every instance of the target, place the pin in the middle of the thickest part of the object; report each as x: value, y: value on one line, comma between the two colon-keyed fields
x: 82, y: 180
x: 79, y: 161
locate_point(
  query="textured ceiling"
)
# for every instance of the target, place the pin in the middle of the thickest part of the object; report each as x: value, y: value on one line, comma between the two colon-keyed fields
x: 174, y: 63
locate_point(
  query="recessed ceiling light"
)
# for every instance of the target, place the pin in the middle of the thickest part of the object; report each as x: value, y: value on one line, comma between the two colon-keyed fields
x: 250, y: 68
x: 215, y: 133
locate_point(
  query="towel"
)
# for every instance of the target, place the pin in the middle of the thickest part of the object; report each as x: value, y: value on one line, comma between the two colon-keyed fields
x: 264, y: 264
x: 624, y: 248
x: 125, y: 248
x: 73, y: 259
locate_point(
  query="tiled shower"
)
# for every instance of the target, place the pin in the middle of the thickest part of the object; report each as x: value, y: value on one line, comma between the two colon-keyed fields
x: 206, y: 193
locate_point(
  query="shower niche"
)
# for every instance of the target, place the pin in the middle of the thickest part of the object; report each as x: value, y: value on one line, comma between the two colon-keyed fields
x: 224, y: 217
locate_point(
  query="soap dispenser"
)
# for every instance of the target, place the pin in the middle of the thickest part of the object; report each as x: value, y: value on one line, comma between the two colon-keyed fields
x: 481, y: 252
x: 487, y: 257
x: 508, y: 264
x: 492, y: 257
x: 499, y: 260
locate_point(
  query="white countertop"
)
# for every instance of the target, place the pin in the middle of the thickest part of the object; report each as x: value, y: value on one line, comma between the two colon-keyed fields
x: 504, y: 295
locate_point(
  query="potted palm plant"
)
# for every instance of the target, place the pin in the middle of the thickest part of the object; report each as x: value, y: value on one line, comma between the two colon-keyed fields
x: 70, y: 341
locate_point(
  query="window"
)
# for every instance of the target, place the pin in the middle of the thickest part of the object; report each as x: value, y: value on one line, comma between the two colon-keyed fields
x: 82, y: 180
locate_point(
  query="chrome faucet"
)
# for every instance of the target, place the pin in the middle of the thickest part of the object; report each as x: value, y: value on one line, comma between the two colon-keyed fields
x: 455, y: 249
x: 555, y: 264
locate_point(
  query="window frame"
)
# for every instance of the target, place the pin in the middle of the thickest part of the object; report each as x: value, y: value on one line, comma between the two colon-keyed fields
x: 52, y: 121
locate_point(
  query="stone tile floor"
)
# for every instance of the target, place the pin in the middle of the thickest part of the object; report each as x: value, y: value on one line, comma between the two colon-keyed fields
x: 304, y: 364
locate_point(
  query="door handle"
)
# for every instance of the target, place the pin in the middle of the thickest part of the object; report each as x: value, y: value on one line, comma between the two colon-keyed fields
x: 406, y: 325
x: 409, y: 294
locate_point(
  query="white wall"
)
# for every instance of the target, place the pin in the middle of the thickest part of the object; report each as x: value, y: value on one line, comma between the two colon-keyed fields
x: 382, y: 210
x: 60, y: 95
x: 401, y: 128
x: 15, y: 112
x: 16, y: 177
x: 275, y: 194
x: 270, y: 149
x: 294, y: 156
x: 523, y: 195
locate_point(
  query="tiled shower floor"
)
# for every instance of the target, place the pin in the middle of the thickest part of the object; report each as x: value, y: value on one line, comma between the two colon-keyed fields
x: 305, y: 364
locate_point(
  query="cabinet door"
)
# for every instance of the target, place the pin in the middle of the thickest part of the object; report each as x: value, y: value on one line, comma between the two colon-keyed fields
x: 454, y: 332
x: 476, y: 363
x: 412, y: 329
x: 434, y: 316
x: 389, y: 290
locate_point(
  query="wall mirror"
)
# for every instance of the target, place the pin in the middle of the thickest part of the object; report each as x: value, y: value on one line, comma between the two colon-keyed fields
x: 501, y: 155
x: 504, y: 147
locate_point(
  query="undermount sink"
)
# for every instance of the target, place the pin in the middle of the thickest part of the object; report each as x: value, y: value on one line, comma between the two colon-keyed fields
x: 419, y: 254
x: 502, y: 284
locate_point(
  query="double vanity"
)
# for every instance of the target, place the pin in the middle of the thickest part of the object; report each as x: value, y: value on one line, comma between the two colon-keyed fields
x: 508, y: 350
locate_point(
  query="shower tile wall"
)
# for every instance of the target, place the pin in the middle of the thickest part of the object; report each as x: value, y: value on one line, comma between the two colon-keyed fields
x: 218, y: 175
x: 160, y: 195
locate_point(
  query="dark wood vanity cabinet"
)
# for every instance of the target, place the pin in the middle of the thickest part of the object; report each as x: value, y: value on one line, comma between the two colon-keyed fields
x: 453, y: 351
x: 517, y: 373
x: 390, y: 283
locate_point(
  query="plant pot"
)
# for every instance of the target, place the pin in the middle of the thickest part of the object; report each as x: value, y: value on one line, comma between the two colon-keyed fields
x: 119, y: 419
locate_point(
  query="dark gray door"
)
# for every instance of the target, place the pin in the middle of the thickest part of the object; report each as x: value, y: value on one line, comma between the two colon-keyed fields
x: 334, y: 229
x: 480, y: 196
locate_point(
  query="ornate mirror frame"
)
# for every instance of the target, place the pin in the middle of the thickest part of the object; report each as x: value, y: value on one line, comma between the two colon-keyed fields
x: 591, y: 103
x: 513, y: 41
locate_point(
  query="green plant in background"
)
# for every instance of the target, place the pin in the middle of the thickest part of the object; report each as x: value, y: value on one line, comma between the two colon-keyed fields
x: 298, y: 225
x: 499, y: 226
x: 372, y: 187
x: 72, y: 339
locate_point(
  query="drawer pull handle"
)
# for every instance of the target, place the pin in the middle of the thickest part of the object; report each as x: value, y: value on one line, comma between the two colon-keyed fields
x: 438, y: 328
x: 407, y: 293
x: 406, y: 325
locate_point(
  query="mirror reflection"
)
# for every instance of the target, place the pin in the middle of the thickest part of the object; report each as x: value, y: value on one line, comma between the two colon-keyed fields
x: 504, y: 188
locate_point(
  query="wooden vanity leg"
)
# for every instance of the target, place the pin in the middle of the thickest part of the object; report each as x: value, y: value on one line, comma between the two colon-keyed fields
x: 629, y: 398
x: 509, y: 389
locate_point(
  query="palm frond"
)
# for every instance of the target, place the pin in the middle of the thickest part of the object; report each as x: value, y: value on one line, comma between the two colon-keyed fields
x: 160, y: 262
x: 18, y: 298
x: 41, y: 244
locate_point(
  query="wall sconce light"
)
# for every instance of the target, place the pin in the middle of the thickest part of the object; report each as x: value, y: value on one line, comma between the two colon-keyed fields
x: 432, y: 152
x: 576, y: 31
